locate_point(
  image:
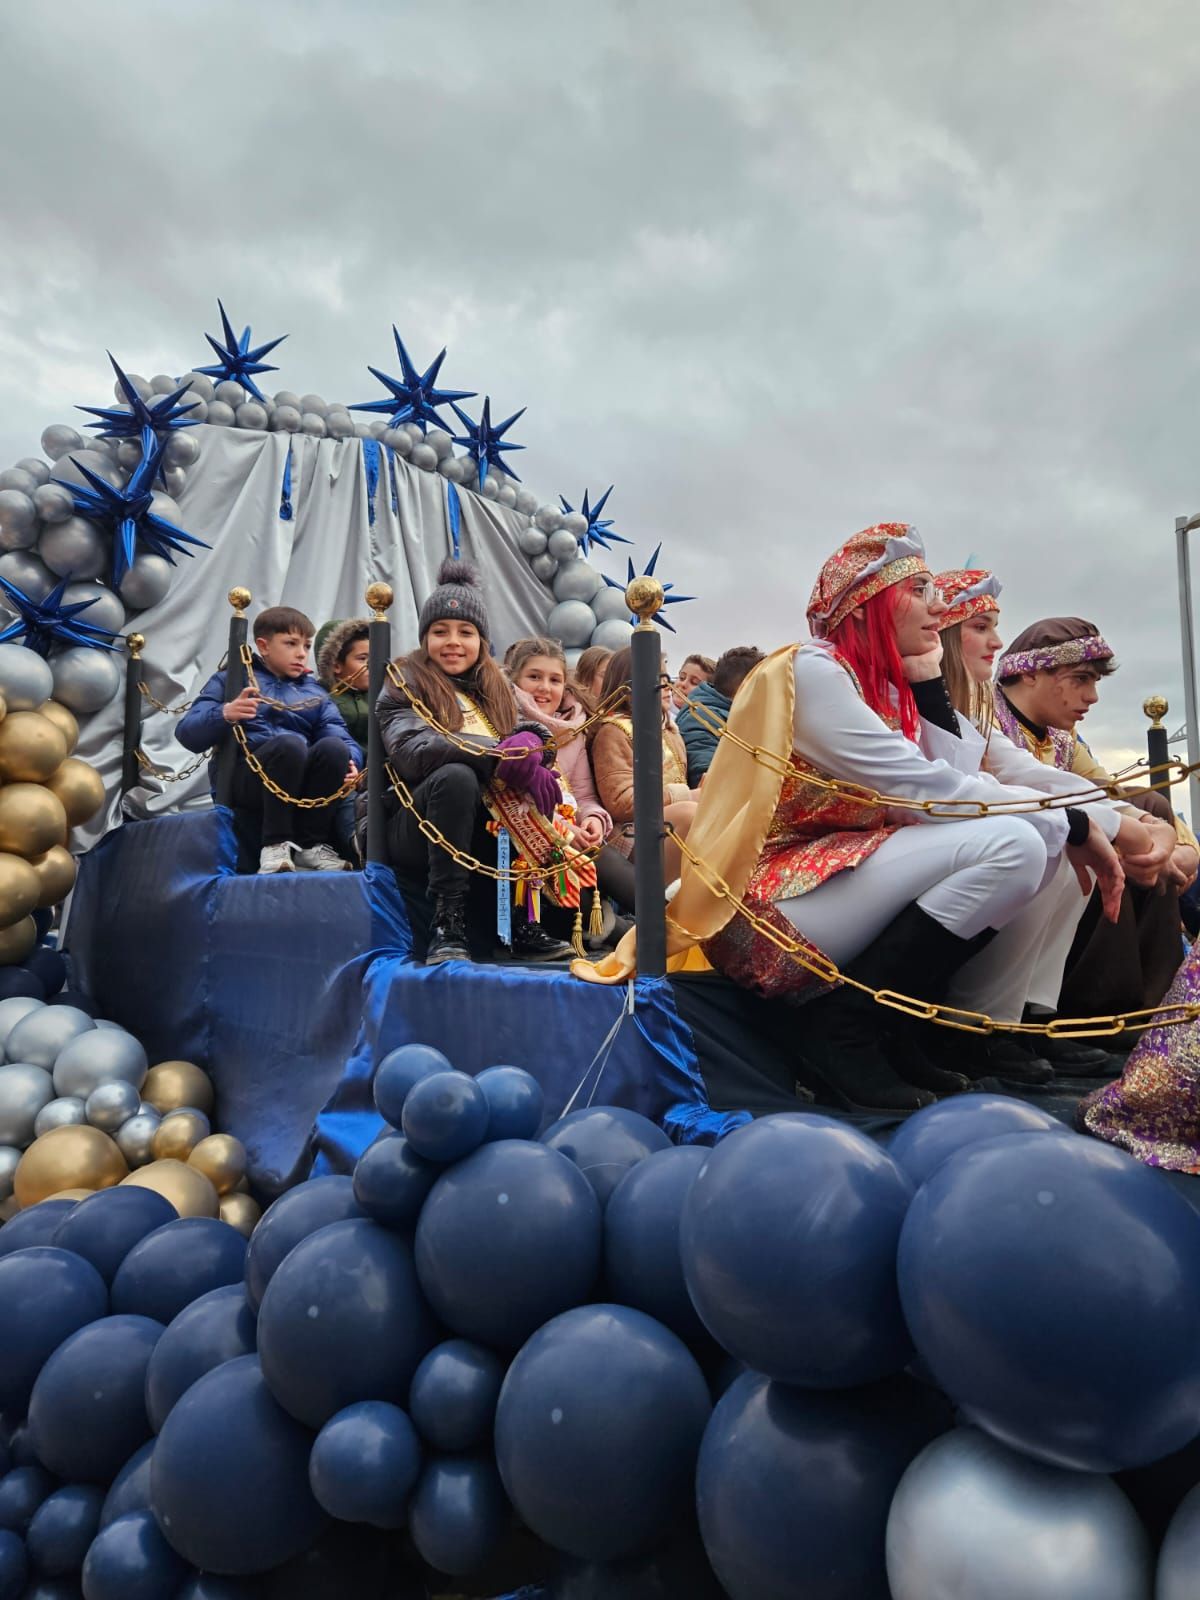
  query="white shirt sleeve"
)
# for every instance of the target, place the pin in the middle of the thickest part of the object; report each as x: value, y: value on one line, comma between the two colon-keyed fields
x: 1012, y: 764
x: 838, y: 733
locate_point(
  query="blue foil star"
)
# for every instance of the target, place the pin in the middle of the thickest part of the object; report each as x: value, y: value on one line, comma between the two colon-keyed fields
x: 485, y: 443
x: 162, y: 413
x: 669, y: 599
x: 236, y: 360
x: 598, y: 532
x: 413, y: 397
x: 46, y: 622
x: 127, y: 512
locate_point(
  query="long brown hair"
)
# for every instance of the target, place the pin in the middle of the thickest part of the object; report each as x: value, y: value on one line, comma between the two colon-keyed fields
x: 589, y: 664
x: 975, y: 701
x: 525, y: 650
x: 616, y: 693
x: 484, y: 683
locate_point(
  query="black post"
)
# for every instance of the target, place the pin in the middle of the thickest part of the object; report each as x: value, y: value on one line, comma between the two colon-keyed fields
x: 379, y: 598
x: 134, y: 643
x: 644, y: 596
x: 235, y: 682
x: 1157, y: 748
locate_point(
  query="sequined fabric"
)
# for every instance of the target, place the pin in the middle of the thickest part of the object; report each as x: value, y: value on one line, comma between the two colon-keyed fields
x: 861, y: 569
x: 1056, y: 749
x: 968, y: 592
x: 1046, y: 658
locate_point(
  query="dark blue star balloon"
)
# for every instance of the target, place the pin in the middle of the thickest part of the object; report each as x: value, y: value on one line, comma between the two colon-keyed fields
x: 126, y: 510
x: 236, y: 360
x: 46, y: 622
x: 413, y: 397
x: 161, y: 413
x: 485, y: 443
x: 598, y: 532
x: 669, y: 599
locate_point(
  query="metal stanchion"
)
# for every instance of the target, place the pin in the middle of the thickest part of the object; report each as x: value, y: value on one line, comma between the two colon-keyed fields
x: 135, y: 644
x: 379, y: 598
x: 235, y: 682
x: 1157, y: 748
x: 644, y: 597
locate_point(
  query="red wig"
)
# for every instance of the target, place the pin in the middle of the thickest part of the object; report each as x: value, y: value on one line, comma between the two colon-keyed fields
x: 867, y: 641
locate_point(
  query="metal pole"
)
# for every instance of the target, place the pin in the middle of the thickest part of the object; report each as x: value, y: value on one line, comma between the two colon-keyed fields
x: 235, y: 682
x: 1183, y: 526
x: 379, y: 598
x: 1157, y: 746
x: 644, y: 596
x: 134, y: 643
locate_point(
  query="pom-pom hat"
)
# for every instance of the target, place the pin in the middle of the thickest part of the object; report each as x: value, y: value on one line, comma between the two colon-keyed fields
x: 457, y: 598
x: 866, y: 564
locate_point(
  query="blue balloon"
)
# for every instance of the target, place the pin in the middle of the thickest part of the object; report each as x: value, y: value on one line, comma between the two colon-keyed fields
x: 641, y: 1238
x: 21, y: 1492
x: 793, y: 1487
x: 14, y: 1565
x: 87, y: 1413
x: 597, y: 1429
x: 45, y: 1296
x: 53, y: 1589
x: 454, y: 1394
x: 63, y: 1527
x: 508, y: 1238
x: 48, y: 967
x: 459, y: 1514
x: 445, y: 1116
x: 20, y: 1447
x: 921, y: 1144
x: 6, y: 1456
x: 391, y: 1181
x: 343, y: 1319
x: 130, y: 1489
x: 1031, y: 1245
x: 365, y: 1463
x: 229, y: 1478
x: 130, y: 1560
x: 106, y: 1226
x: 515, y: 1102
x: 176, y: 1264
x: 208, y: 1586
x: 398, y: 1072
x: 293, y: 1217
x: 789, y: 1251
x: 15, y: 981
x: 218, y: 1327
x: 37, y: 1225
x: 604, y: 1142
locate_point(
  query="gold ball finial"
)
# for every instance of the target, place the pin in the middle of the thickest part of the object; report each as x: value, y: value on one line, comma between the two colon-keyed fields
x: 379, y: 597
x: 239, y: 599
x: 1156, y: 709
x: 135, y: 643
x: 644, y: 597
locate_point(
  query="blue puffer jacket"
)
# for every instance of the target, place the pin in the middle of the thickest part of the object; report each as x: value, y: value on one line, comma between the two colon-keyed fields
x: 699, y: 741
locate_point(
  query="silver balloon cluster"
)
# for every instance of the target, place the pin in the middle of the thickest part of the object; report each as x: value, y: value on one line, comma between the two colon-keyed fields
x: 586, y: 611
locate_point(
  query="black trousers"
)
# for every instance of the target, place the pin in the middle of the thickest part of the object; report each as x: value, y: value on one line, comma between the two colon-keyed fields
x: 304, y: 770
x: 451, y: 799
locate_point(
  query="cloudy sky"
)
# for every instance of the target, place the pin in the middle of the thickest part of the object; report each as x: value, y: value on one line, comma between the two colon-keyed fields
x: 777, y: 268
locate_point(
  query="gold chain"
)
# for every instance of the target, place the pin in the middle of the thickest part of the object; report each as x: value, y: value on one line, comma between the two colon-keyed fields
x: 162, y: 774
x: 280, y: 705
x: 172, y: 711
x: 308, y: 804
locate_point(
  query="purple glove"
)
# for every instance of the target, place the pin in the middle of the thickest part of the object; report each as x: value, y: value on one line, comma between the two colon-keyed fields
x: 544, y: 791
x: 518, y: 772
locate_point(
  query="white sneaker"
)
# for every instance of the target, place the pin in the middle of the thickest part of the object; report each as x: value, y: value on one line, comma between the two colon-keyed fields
x: 320, y: 858
x: 276, y: 858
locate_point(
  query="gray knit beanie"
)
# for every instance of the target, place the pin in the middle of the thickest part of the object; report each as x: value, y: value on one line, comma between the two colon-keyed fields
x: 457, y: 598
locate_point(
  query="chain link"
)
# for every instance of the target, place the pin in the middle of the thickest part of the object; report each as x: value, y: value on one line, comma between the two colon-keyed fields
x: 161, y: 773
x: 171, y: 711
x: 304, y: 804
x: 280, y: 705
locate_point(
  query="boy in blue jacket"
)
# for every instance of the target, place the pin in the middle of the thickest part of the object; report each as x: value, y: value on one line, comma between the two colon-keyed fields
x: 295, y: 732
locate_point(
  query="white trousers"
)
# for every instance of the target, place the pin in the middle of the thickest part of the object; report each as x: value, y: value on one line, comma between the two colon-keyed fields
x: 966, y: 875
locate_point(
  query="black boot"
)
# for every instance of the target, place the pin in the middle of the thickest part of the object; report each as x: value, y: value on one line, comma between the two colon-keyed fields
x: 531, y: 943
x: 448, y: 936
x: 1074, y: 1058
x: 1005, y: 1055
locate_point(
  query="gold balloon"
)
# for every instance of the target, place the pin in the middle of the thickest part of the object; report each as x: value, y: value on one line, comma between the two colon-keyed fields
x: 188, y: 1191
x: 54, y: 711
x: 240, y: 1212
x: 20, y: 889
x: 67, y: 1158
x: 9, y: 1207
x: 56, y: 869
x: 16, y: 942
x: 31, y: 747
x: 178, y: 1134
x: 73, y: 1194
x: 77, y: 784
x: 31, y: 818
x: 172, y: 1084
x: 222, y: 1160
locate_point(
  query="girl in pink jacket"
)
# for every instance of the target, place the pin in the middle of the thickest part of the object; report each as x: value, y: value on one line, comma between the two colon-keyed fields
x: 538, y: 670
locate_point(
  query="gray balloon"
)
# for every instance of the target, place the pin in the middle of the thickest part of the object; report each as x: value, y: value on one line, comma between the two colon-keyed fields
x: 377, y: 427
x: 400, y: 441
x: 175, y: 481
x: 531, y: 541
x: 251, y: 415
x: 85, y: 679
x: 286, y: 419
x: 285, y: 397
x: 609, y: 605
x: 548, y: 518
x: 424, y: 456
x: 162, y: 384
x: 230, y: 393
x: 67, y: 1111
x: 75, y: 548
x: 25, y: 679
x: 53, y: 502
x: 362, y: 430
x: 314, y: 404
x: 1179, y: 1558
x: 507, y: 496
x: 200, y: 383
x: 36, y: 468
x: 106, y: 611
x: 572, y: 622
x: 415, y: 431
x: 313, y: 425
x: 577, y: 580
x: 16, y: 478
x: 491, y: 488
x: 339, y: 424
x: 441, y: 442
x: 11, y: 1012
x: 24, y: 1090
x: 450, y: 468
x: 18, y: 519
x: 138, y: 382
x: 611, y: 635
x: 575, y: 522
x: 543, y: 567
x: 95, y: 1056
x: 163, y: 506
x: 146, y: 582
x: 9, y: 1160
x: 69, y: 469
x: 527, y: 502
x: 111, y: 1104
x: 562, y: 545
x: 129, y: 453
x: 198, y: 405
x: 39, y: 1037
x: 182, y: 449
x: 219, y: 414
x: 58, y: 439
x: 978, y: 1521
x: 28, y: 572
x: 135, y: 1138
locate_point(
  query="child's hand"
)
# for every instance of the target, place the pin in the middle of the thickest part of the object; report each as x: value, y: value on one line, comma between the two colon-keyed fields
x: 243, y: 708
x: 352, y: 771
x: 589, y: 832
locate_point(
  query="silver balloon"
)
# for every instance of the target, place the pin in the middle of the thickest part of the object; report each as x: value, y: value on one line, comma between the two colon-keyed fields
x: 527, y: 502
x: 424, y: 456
x: 251, y: 415
x: 24, y: 1090
x: 548, y: 518
x: 137, y: 381
x: 451, y: 468
x: 36, y: 468
x: 111, y: 1104
x: 400, y: 441
x: 96, y: 1056
x: 575, y: 522
x: 84, y: 679
x: 182, y: 449
x: 572, y: 622
x: 68, y: 1111
x: 135, y: 1138
x: 198, y: 405
x: 28, y: 572
x: 58, y: 439
x: 75, y: 548
x: 17, y: 478
x: 440, y: 441
x: 105, y: 611
x: 314, y: 404
x: 609, y: 604
x: 18, y: 519
x: 572, y: 659
x: 491, y: 487
x: 129, y: 453
x: 39, y: 1037
x: 975, y: 1520
x: 162, y: 384
x: 531, y: 541
x: 286, y: 397
x: 174, y: 481
x: 362, y: 430
x: 611, y: 635
x: 313, y: 425
x: 377, y: 427
x: 53, y: 502
x: 25, y: 679
x: 286, y: 419
x: 1179, y: 1558
x: 230, y: 393
x: 219, y: 414
x: 543, y: 567
x: 577, y: 580
x: 507, y: 496
x: 414, y: 431
x: 339, y: 424
x: 563, y: 545
x: 70, y: 468
x: 9, y: 1159
x: 199, y: 383
x: 11, y: 1012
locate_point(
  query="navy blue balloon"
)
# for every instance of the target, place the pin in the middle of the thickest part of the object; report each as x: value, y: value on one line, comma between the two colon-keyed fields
x: 454, y: 1394
x: 445, y: 1116
x: 293, y: 1217
x: 364, y: 1464
x: 6, y: 1456
x: 36, y: 1225
x: 20, y: 1447
x: 43, y: 921
x: 63, y: 1527
x: 130, y: 1489
x: 343, y: 1319
x: 53, y: 1589
x: 229, y: 1478
x: 218, y: 1327
x: 46, y: 1295
x: 48, y: 967
x: 641, y: 1238
x: 391, y: 1181
x: 508, y: 1238
x: 789, y: 1251
x: 14, y: 1565
x: 604, y: 1142
x: 106, y: 1226
x: 130, y: 1560
x: 81, y: 1002
x: 1020, y: 1249
x: 87, y: 1413
x: 176, y: 1264
x: 21, y: 1492
x: 208, y: 1586
x: 398, y: 1071
x: 597, y: 1428
x: 934, y: 1134
x: 459, y: 1513
x: 515, y: 1102
x: 15, y: 981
